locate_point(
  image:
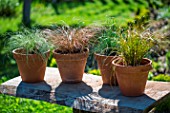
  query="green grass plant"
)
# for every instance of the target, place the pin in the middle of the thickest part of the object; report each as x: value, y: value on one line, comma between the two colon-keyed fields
x: 30, y: 42
x: 134, y: 45
x: 70, y: 40
x: 106, y: 42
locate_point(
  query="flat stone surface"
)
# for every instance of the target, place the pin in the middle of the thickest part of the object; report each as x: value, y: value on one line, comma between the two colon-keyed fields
x: 90, y: 95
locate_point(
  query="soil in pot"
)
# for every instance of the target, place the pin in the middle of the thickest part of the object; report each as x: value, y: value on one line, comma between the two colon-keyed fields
x: 106, y: 69
x: 32, y: 66
x: 132, y: 79
x: 71, y: 66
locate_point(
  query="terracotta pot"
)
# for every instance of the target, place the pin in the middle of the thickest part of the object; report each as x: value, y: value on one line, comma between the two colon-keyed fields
x: 106, y: 69
x: 132, y: 79
x: 32, y: 66
x: 71, y: 66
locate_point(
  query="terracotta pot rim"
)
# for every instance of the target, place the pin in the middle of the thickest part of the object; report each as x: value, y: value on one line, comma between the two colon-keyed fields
x: 84, y: 52
x: 101, y: 55
x: 149, y: 62
x: 17, y: 53
x: 70, y: 57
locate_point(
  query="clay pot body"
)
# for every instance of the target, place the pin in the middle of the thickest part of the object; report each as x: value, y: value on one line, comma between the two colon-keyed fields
x: 71, y: 66
x: 106, y: 69
x: 32, y: 66
x: 132, y: 79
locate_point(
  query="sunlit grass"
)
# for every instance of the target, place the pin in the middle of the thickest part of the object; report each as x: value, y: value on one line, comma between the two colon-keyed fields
x: 9, y: 104
x: 89, y: 13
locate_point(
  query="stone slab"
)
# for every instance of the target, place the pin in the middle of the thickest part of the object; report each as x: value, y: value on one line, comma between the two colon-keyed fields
x: 89, y: 95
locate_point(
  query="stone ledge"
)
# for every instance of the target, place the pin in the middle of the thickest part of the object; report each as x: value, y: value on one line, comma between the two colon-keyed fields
x: 89, y: 95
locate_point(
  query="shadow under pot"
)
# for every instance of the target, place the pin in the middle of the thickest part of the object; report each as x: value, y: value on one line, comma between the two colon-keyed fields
x: 31, y: 66
x: 71, y: 66
x: 106, y: 68
x: 132, y: 79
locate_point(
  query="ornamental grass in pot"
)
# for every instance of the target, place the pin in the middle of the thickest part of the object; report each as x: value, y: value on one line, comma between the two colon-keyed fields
x: 105, y: 52
x: 132, y: 68
x: 31, y: 51
x: 71, y: 52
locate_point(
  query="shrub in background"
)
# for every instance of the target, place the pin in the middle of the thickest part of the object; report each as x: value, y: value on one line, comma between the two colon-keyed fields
x: 150, y: 76
x: 168, y: 61
x: 162, y: 77
x: 94, y: 72
x: 7, y: 7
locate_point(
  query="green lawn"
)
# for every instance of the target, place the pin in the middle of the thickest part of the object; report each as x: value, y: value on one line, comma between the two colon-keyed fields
x: 9, y: 104
x: 74, y: 13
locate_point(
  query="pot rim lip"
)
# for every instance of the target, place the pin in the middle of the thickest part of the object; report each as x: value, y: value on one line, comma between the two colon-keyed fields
x: 101, y: 55
x: 14, y: 52
x: 123, y: 66
x: 85, y: 52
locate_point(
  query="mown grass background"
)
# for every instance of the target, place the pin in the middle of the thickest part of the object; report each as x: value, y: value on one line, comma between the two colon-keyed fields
x: 43, y: 14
